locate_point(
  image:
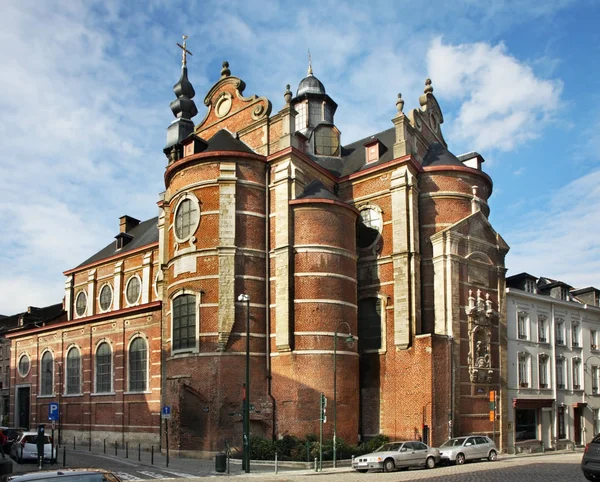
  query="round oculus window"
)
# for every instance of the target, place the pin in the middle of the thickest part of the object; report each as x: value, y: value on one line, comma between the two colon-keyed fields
x: 105, y: 297
x: 133, y: 290
x: 24, y: 365
x: 327, y: 141
x: 187, y: 217
x: 81, y: 303
x: 369, y: 227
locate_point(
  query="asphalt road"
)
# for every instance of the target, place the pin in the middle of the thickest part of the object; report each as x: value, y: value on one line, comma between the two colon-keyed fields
x: 562, y: 467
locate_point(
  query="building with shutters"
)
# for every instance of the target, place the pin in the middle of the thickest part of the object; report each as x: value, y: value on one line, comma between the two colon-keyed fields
x: 384, y: 241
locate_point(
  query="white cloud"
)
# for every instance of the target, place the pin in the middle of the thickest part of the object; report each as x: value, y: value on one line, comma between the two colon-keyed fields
x: 503, y: 105
x: 559, y: 239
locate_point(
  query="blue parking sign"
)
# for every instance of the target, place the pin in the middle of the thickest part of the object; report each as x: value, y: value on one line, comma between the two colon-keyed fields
x: 53, y: 411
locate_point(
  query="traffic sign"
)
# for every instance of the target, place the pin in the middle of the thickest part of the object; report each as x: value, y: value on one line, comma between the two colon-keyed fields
x: 53, y: 413
x: 166, y: 412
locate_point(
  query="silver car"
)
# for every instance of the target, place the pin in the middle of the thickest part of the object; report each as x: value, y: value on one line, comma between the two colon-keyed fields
x: 461, y: 449
x: 397, y: 455
x: 25, y: 447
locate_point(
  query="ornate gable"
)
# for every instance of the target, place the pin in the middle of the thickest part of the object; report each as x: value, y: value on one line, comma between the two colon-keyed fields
x: 429, y: 118
x: 229, y: 109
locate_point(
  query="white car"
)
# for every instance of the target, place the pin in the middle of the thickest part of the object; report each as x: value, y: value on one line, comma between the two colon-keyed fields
x: 461, y: 449
x: 397, y: 455
x: 25, y: 447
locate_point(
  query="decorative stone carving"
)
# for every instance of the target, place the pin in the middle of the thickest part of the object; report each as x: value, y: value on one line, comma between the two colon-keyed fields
x: 480, y: 313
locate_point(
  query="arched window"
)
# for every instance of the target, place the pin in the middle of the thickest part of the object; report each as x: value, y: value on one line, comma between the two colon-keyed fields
x: 47, y: 374
x: 369, y: 324
x: 184, y: 322
x: 73, y: 371
x: 103, y: 368
x: 138, y: 365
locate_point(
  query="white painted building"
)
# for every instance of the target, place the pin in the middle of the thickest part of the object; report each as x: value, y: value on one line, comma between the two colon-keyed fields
x: 553, y: 350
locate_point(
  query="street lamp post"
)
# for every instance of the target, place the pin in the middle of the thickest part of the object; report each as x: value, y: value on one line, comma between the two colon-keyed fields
x: 350, y: 342
x: 246, y: 437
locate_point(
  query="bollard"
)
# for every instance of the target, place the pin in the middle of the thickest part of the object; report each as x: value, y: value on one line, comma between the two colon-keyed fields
x: 152, y: 456
x: 276, y: 468
x: 90, y: 444
x: 307, y: 451
x: 139, y: 452
x: 126, y: 450
x: 116, y: 447
x: 73, y: 442
x: 316, y: 465
x: 352, y: 462
x: 64, y: 456
x: 104, y: 445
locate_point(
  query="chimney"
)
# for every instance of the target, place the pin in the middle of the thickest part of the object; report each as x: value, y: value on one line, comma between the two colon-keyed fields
x: 127, y: 223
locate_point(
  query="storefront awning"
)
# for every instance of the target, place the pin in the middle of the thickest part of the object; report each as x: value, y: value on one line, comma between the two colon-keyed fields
x: 532, y: 402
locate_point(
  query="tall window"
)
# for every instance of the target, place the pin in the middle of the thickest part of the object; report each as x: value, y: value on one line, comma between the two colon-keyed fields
x: 575, y: 334
x: 369, y: 324
x: 522, y: 326
x: 576, y: 374
x: 73, y: 371
x: 596, y: 415
x: 593, y: 339
x: 46, y: 374
x: 595, y: 380
x: 315, y: 113
x: 524, y: 370
x: 560, y: 373
x: 561, y: 423
x: 543, y: 371
x: 530, y: 286
x: 302, y: 117
x: 184, y: 322
x: 103, y: 368
x: 138, y: 365
x: 542, y: 329
x: 560, y: 333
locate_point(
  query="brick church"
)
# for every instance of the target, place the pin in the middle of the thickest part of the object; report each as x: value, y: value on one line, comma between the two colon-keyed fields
x: 382, y: 245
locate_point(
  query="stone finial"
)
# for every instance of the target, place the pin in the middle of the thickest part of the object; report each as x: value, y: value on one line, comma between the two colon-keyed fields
x: 287, y: 94
x: 225, y: 72
x: 428, y: 87
x: 400, y: 103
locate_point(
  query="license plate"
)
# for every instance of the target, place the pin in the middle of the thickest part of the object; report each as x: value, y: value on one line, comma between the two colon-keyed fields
x: 362, y: 464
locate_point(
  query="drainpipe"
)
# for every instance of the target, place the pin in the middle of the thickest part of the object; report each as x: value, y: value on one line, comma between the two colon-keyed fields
x: 553, y: 338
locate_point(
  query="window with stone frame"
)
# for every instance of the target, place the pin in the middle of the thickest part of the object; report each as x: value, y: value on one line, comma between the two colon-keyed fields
x: 575, y: 335
x: 593, y: 339
x: 47, y: 374
x: 560, y: 373
x: 523, y: 370
x: 73, y: 372
x: 522, y: 322
x: 105, y: 298
x: 103, y: 368
x: 530, y: 286
x: 560, y: 333
x: 369, y: 324
x: 184, y: 322
x: 138, y: 365
x: 595, y: 380
x: 81, y: 303
x: 596, y: 421
x: 133, y: 290
x: 543, y: 370
x: 542, y: 329
x: 576, y: 362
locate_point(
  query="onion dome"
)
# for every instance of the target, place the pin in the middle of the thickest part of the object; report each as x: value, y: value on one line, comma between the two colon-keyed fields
x: 310, y: 85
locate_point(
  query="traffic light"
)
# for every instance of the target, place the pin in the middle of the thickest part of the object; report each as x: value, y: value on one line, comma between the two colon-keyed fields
x: 492, y: 405
x: 323, y: 408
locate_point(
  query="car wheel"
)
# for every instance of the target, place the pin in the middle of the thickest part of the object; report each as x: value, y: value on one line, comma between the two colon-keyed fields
x: 362, y: 471
x: 590, y: 476
x: 430, y: 463
x: 492, y: 456
x: 389, y: 465
x: 460, y: 459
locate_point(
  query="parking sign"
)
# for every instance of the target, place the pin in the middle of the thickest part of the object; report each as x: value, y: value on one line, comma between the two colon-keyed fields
x: 53, y: 413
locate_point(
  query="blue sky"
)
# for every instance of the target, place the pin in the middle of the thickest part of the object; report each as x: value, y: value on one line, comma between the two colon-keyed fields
x: 85, y: 88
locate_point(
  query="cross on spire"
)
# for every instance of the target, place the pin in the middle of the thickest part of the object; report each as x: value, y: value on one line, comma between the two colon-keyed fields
x: 185, y: 51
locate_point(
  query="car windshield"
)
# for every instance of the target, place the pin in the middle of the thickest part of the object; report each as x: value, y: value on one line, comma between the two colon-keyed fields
x: 454, y: 442
x: 393, y: 447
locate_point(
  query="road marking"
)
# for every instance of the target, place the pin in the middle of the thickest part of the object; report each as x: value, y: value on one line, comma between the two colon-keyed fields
x: 154, y: 475
x: 180, y: 474
x: 126, y: 476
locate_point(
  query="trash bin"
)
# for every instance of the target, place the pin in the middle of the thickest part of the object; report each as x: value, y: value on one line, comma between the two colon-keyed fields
x: 220, y: 462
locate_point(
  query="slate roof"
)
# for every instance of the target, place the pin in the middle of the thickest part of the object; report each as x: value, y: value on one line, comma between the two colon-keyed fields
x: 33, y: 315
x: 144, y: 233
x: 316, y: 190
x: 438, y: 155
x: 224, y: 141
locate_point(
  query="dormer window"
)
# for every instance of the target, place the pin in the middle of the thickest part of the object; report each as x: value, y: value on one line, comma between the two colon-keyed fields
x: 530, y: 286
x: 564, y: 294
x: 122, y: 240
x: 372, y: 153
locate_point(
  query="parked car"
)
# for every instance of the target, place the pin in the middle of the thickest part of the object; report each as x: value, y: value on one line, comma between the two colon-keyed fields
x: 67, y: 475
x: 461, y: 449
x: 590, y: 462
x: 25, y: 447
x: 395, y: 455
